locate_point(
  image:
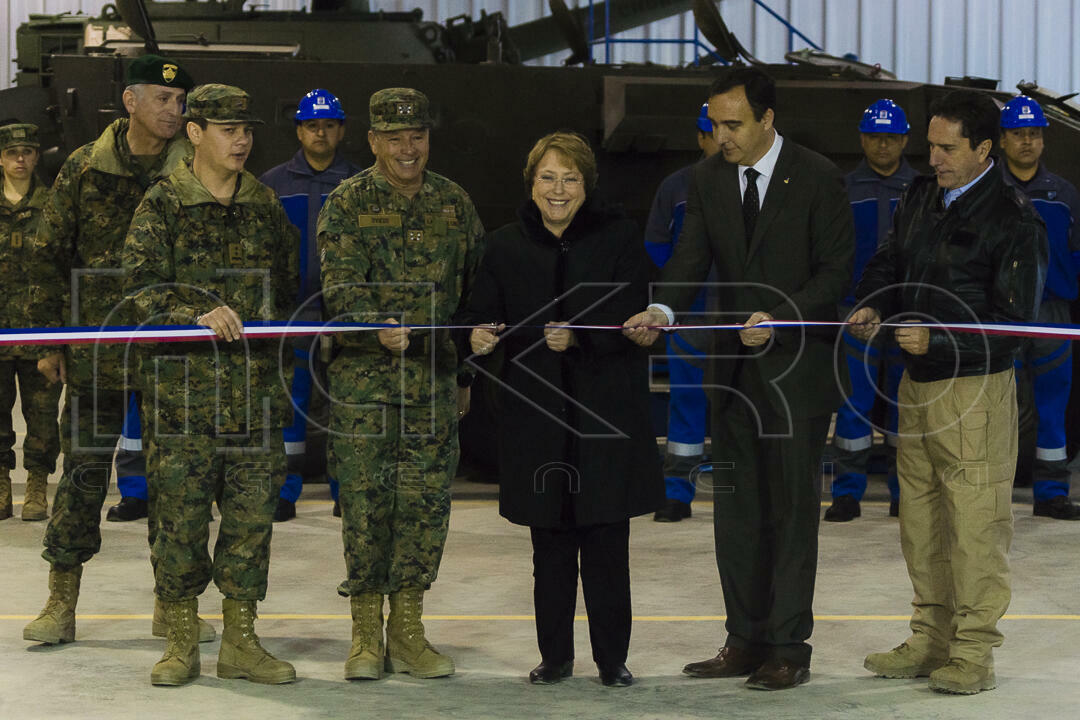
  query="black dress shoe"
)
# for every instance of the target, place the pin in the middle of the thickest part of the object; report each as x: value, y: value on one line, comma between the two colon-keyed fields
x: 337, y: 508
x: 617, y: 676
x: 1058, y: 508
x: 843, y: 509
x: 129, y: 508
x: 778, y: 674
x: 729, y: 662
x: 550, y: 673
x: 285, y: 510
x: 672, y: 511
x: 894, y: 508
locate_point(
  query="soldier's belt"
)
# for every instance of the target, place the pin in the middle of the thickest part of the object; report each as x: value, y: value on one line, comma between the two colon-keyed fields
x: 271, y: 330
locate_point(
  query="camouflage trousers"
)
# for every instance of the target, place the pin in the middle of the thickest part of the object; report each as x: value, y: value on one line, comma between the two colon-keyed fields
x: 90, y: 426
x: 186, y: 474
x: 39, y: 401
x: 395, y: 465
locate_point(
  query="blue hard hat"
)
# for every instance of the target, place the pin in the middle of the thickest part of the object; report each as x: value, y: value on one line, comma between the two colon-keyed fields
x: 704, y: 124
x: 319, y: 104
x: 1022, y: 111
x: 884, y: 116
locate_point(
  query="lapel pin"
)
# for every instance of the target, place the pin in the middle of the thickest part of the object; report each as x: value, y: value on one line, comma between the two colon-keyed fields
x: 787, y: 180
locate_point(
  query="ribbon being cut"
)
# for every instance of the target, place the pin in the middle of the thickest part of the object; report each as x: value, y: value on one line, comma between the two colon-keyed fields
x: 270, y: 330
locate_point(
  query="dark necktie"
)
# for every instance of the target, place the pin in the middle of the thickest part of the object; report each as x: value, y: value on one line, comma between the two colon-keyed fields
x: 750, y: 203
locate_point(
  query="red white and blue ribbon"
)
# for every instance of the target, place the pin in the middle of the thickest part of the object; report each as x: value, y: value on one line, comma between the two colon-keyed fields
x: 271, y: 330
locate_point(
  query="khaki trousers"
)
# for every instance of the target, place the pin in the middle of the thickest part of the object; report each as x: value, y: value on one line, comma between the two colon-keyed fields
x: 956, y: 459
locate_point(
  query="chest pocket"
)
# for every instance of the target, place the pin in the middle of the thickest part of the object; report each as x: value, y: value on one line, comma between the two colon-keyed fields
x: 435, y: 251
x: 248, y: 261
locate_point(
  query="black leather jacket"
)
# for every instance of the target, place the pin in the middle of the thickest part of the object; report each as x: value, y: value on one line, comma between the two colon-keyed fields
x: 981, y: 260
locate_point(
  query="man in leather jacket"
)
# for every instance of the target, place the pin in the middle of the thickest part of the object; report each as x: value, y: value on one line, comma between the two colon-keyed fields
x: 967, y: 248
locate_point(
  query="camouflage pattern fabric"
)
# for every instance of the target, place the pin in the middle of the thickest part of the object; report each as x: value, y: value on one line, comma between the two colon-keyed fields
x: 81, y: 233
x: 384, y: 255
x: 219, y: 103
x: 73, y: 534
x: 394, y: 444
x: 399, y: 108
x: 395, y: 465
x: 187, y: 473
x: 214, y: 411
x: 19, y: 135
x: 83, y: 227
x: 187, y: 254
x: 39, y: 400
x: 18, y: 227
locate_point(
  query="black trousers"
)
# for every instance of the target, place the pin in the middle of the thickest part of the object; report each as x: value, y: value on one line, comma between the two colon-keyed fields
x: 605, y: 580
x: 765, y: 516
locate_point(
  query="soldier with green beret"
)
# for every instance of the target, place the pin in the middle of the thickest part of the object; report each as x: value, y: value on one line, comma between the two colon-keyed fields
x: 399, y: 244
x: 20, y: 210
x: 211, y: 245
x: 77, y: 280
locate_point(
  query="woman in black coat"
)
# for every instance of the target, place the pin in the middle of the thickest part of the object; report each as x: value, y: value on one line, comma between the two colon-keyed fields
x: 577, y: 456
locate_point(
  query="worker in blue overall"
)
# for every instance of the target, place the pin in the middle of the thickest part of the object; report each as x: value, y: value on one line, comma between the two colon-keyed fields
x: 686, y: 350
x: 874, y: 189
x: 1046, y: 362
x: 130, y: 468
x: 302, y: 184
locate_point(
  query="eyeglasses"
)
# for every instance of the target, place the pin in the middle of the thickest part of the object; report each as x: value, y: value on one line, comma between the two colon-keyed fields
x: 570, y: 183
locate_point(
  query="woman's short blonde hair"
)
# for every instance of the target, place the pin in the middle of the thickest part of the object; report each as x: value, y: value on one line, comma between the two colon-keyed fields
x: 572, y: 148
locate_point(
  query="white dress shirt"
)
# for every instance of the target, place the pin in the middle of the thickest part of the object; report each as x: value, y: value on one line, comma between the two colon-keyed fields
x: 766, y: 166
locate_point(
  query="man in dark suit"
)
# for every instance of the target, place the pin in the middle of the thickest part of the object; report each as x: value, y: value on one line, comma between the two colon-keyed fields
x: 773, y: 219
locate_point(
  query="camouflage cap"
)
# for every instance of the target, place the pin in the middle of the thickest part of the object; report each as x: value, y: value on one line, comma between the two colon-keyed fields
x: 399, y: 109
x: 19, y: 135
x: 221, y: 104
x: 156, y: 70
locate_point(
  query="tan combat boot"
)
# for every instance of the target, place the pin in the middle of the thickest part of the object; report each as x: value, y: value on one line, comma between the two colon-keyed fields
x: 904, y: 661
x: 6, y: 508
x: 241, y: 655
x: 180, y: 663
x: 35, y: 504
x: 407, y: 650
x: 56, y: 623
x: 160, y: 627
x: 366, y: 655
x: 961, y: 677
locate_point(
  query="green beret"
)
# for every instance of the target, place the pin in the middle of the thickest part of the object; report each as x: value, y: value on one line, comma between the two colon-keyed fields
x: 19, y: 135
x: 221, y: 104
x: 156, y: 70
x: 399, y: 109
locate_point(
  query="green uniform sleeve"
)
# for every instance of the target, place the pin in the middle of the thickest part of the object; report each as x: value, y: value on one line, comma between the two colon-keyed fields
x: 53, y: 252
x: 474, y: 252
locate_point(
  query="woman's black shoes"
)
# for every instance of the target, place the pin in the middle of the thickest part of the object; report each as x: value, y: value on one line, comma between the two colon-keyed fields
x: 550, y: 673
x: 616, y: 676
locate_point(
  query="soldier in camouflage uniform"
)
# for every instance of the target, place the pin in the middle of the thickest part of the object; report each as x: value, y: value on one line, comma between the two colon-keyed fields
x: 399, y: 244
x: 211, y: 245
x: 20, y: 210
x: 81, y: 233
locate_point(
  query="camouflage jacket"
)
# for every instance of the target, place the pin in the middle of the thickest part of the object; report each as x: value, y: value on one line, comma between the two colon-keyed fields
x: 187, y: 254
x: 18, y: 225
x: 385, y: 255
x: 77, y: 249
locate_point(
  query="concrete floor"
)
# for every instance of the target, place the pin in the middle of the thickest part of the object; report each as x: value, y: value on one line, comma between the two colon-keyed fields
x: 480, y: 612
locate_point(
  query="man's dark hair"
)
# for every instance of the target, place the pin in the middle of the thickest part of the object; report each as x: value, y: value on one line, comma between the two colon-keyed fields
x: 760, y: 88
x: 975, y: 111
